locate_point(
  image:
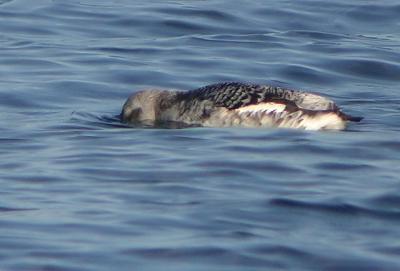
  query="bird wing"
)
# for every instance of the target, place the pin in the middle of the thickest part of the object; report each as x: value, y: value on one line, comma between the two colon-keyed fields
x: 236, y: 95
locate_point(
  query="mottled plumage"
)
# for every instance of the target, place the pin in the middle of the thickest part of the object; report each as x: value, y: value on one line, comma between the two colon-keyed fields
x: 234, y: 95
x: 236, y: 104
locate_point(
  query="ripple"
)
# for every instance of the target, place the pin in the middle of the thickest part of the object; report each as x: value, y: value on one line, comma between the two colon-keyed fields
x: 177, y: 253
x: 387, y: 201
x: 8, y: 209
x: 224, y: 256
x: 129, y: 51
x: 178, y: 25
x: 338, y: 208
x: 316, y: 35
x: 285, y: 251
x: 377, y: 13
x: 367, y: 68
x: 252, y: 166
x: 306, y: 74
x: 344, y: 166
x: 3, y: 2
x: 16, y: 101
x: 201, y: 14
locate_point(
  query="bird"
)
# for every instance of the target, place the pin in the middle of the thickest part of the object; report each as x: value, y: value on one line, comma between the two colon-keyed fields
x: 236, y: 104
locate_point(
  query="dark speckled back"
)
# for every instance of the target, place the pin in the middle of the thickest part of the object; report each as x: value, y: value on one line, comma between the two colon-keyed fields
x: 234, y: 95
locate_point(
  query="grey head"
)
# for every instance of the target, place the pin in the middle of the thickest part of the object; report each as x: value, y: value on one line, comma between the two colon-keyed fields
x: 146, y: 105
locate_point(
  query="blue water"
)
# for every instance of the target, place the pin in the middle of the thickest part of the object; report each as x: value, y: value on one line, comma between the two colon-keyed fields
x: 81, y: 191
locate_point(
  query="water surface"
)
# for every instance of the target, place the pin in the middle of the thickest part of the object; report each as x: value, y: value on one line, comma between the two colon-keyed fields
x: 81, y: 191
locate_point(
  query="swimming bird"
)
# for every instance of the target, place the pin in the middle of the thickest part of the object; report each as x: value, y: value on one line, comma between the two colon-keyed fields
x: 236, y: 105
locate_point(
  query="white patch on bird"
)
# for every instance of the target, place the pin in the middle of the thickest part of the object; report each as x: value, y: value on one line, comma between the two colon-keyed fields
x: 262, y: 108
x: 323, y: 121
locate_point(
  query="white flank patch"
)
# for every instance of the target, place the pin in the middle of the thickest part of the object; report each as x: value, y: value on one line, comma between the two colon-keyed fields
x: 262, y: 107
x: 327, y: 121
x: 259, y: 115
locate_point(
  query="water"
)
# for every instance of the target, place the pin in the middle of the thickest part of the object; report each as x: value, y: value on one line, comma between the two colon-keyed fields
x: 81, y: 191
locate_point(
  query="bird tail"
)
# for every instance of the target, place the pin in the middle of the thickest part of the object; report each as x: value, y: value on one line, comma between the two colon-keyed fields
x: 349, y: 117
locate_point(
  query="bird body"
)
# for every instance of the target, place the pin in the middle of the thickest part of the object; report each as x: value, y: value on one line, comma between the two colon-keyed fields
x: 236, y: 105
